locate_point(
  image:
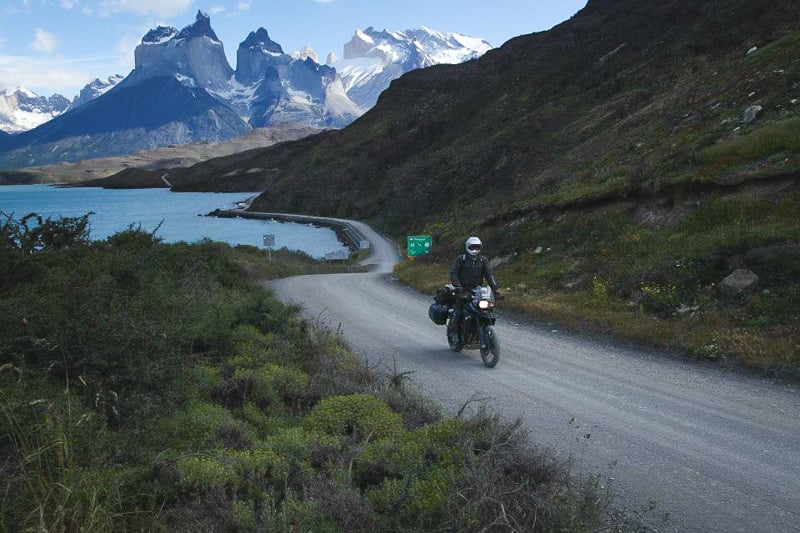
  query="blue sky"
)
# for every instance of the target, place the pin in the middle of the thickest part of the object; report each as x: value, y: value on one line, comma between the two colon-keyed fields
x: 51, y: 46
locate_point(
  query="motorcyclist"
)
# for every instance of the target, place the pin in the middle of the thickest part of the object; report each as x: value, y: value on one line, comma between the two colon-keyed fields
x: 469, y: 270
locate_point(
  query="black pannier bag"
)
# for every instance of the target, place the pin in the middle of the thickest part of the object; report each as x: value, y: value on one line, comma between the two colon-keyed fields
x: 438, y: 313
x: 446, y: 296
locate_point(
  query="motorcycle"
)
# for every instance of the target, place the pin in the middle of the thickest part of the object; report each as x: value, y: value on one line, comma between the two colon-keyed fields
x: 476, y: 330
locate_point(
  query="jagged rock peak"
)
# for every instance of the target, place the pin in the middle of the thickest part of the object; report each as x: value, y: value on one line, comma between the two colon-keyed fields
x: 159, y: 35
x: 332, y: 58
x: 259, y: 40
x: 194, y: 55
x: 200, y: 28
x: 306, y: 53
x: 94, y: 89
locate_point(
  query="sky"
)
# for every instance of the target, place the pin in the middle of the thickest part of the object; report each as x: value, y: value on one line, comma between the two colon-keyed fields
x: 58, y: 46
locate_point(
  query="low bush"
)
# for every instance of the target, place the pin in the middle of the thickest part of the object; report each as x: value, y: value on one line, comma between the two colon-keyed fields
x: 197, y: 428
x: 204, y: 474
x: 360, y: 416
x: 272, y: 384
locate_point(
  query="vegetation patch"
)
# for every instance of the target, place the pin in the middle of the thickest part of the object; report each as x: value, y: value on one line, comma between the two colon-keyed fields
x: 155, y: 387
x: 616, y: 272
x: 773, y: 140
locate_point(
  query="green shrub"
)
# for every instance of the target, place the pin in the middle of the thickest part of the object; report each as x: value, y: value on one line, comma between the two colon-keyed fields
x: 245, y: 516
x: 660, y: 300
x: 266, y: 421
x: 206, y: 379
x: 418, y: 502
x: 258, y: 469
x: 263, y: 310
x: 360, y: 416
x: 252, y: 347
x: 411, y: 454
x: 413, y: 477
x: 300, y: 514
x: 296, y: 444
x: 387, y: 497
x: 272, y: 384
x: 197, y: 428
x: 429, y: 498
x: 32, y: 233
x: 204, y: 474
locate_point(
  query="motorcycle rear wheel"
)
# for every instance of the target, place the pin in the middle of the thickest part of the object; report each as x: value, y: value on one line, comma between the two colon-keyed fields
x: 491, y: 353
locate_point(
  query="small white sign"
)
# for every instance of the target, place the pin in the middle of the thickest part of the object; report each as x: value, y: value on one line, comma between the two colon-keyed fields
x: 337, y: 256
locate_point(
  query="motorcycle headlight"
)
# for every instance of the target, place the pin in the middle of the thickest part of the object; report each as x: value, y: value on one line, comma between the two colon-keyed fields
x: 484, y: 305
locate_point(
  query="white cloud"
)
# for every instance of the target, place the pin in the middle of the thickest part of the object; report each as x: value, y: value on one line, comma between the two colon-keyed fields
x: 216, y: 10
x: 48, y: 76
x: 69, y: 4
x: 44, y: 42
x: 324, y: 1
x: 244, y: 5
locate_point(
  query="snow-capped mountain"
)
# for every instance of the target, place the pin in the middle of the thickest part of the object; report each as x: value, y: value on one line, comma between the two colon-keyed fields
x: 94, y: 89
x: 372, y: 59
x: 194, y: 56
x: 183, y: 90
x: 21, y: 109
x: 272, y: 87
x: 164, y: 100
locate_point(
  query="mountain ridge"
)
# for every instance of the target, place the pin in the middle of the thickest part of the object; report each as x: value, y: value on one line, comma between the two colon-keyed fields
x: 268, y: 87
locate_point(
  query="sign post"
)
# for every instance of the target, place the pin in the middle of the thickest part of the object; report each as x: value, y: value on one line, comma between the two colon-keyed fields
x: 269, y: 242
x: 419, y: 245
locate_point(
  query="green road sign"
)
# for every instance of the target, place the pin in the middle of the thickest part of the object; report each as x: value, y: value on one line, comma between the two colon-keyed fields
x: 419, y: 245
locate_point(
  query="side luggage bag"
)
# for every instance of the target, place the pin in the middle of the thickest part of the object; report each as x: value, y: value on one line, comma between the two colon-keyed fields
x: 438, y: 313
x: 444, y: 298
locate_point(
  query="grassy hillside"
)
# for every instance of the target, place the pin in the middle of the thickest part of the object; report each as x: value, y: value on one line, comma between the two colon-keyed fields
x: 649, y: 148
x: 154, y: 387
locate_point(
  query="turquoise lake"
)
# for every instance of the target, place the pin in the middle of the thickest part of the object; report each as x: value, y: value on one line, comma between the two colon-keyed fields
x: 176, y: 216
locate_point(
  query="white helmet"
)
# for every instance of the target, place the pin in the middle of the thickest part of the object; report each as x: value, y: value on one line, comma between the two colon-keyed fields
x: 473, y: 246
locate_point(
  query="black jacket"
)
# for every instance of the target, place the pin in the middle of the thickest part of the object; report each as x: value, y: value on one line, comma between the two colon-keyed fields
x: 469, y: 272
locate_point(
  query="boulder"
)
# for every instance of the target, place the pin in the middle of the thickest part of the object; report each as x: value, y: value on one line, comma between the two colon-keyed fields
x: 751, y: 114
x: 739, y: 282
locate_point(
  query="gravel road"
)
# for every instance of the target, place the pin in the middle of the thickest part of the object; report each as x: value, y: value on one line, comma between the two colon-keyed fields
x: 717, y: 450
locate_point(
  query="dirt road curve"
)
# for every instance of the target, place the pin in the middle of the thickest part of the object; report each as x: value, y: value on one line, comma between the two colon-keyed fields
x: 717, y: 450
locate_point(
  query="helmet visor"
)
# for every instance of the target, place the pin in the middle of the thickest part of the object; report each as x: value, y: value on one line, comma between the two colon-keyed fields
x: 474, y: 247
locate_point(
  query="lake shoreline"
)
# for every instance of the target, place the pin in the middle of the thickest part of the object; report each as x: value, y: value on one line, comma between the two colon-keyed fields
x: 347, y: 234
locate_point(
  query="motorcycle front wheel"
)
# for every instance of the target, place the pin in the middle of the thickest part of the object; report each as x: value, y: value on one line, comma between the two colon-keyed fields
x: 490, y: 347
x: 453, y: 339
